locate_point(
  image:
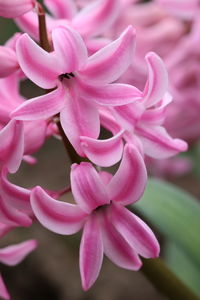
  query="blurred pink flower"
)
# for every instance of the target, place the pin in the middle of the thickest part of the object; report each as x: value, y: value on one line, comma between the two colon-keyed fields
x: 93, y: 20
x: 15, y: 8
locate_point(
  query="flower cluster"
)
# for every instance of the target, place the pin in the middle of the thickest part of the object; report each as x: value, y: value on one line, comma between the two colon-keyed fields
x: 85, y: 60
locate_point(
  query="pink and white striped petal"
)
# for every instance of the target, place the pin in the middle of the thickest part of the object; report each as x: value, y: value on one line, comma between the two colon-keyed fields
x: 105, y: 177
x: 91, y: 252
x: 57, y: 216
x: 35, y: 133
x: 135, y: 231
x: 104, y: 153
x: 97, y: 17
x: 110, y: 62
x: 29, y: 23
x: 115, y: 94
x: 129, y: 115
x: 13, y: 255
x: 108, y: 121
x: 128, y: 183
x: 157, y: 143
x: 12, y: 145
x: 3, y: 290
x: 61, y: 9
x: 78, y: 118
x: 157, y: 114
x: 157, y: 82
x: 70, y: 49
x: 42, y: 107
x: 116, y: 248
x: 8, y: 61
x: 38, y: 65
x: 16, y: 196
x: 12, y: 216
x: 87, y: 187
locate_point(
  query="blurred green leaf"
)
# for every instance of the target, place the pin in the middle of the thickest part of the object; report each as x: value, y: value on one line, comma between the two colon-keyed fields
x: 175, y: 213
x: 183, y: 266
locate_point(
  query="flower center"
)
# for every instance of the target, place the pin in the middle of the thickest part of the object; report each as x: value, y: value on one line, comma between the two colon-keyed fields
x: 100, y: 207
x: 66, y: 75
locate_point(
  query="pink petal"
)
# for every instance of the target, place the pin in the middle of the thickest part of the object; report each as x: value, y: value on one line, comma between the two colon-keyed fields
x: 38, y: 65
x: 157, y: 115
x: 12, y: 145
x: 78, y: 118
x: 116, y: 248
x: 157, y: 82
x: 42, y: 107
x: 115, y: 94
x: 3, y: 290
x: 91, y: 252
x: 108, y: 121
x: 128, y: 183
x: 61, y: 9
x: 109, y: 63
x: 13, y: 255
x: 87, y: 187
x: 105, y: 177
x: 12, y: 216
x: 158, y: 143
x: 97, y: 17
x: 35, y: 134
x: 57, y: 216
x: 16, y: 196
x: 8, y: 61
x: 29, y: 23
x: 70, y: 49
x: 129, y: 115
x: 135, y: 231
x: 104, y: 153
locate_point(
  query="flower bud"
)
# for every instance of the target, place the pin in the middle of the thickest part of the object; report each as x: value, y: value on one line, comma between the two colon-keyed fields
x: 15, y: 8
x: 8, y: 61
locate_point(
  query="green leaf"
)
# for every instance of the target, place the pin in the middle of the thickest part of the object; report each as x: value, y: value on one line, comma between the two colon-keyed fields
x: 175, y: 213
x: 183, y: 266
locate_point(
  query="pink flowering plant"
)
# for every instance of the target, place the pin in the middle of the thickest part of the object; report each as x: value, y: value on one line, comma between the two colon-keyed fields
x: 83, y: 57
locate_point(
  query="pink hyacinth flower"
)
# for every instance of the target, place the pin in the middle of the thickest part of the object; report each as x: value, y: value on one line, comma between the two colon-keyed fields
x: 11, y: 256
x: 82, y: 83
x: 108, y: 227
x: 15, y: 8
x: 145, y: 118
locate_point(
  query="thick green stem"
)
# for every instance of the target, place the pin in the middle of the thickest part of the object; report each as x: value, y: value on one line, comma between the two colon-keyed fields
x: 166, y: 281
